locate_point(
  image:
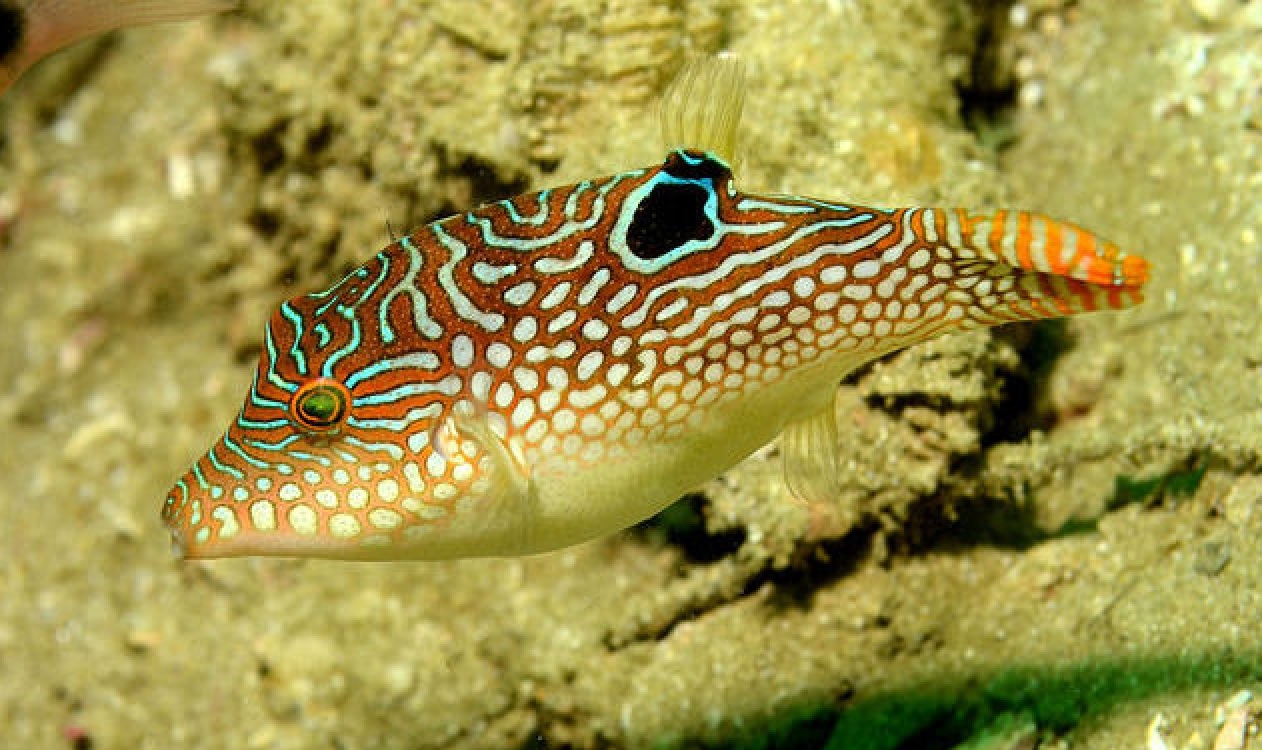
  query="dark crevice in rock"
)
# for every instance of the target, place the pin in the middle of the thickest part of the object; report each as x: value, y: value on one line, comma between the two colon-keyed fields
x: 475, y: 181
x: 682, y: 525
x: 988, y: 95
x: 268, y: 148
x: 819, y: 565
x: 748, y: 572
x: 1021, y: 409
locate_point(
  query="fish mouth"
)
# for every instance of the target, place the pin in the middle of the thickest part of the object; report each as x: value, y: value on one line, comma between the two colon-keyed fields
x: 179, y: 549
x: 202, y: 525
x: 175, y: 514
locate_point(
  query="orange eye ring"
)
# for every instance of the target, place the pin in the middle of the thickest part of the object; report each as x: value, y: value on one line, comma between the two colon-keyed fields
x: 320, y: 405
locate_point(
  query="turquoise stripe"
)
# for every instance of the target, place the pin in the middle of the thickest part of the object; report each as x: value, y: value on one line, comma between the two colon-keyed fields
x: 351, y: 346
x: 279, y: 445
x: 416, y: 360
x: 272, y: 376
x: 222, y: 467
x: 304, y: 456
x: 231, y: 445
x: 201, y: 478
x: 322, y: 331
x: 533, y: 221
x: 571, y: 203
x: 394, y: 451
x: 400, y: 425
x: 564, y: 231
x: 295, y: 351
x: 395, y: 395
x: 260, y: 401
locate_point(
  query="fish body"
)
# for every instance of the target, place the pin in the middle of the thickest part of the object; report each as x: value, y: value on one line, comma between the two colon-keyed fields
x: 33, y: 29
x: 557, y: 366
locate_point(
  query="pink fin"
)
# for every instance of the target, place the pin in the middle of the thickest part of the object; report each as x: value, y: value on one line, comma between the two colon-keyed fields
x: 50, y: 25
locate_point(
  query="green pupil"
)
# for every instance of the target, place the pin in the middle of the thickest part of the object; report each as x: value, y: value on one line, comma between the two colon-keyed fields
x: 320, y: 406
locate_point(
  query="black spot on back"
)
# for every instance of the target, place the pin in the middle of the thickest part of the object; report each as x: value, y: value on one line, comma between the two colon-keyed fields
x: 670, y: 215
x: 12, y: 27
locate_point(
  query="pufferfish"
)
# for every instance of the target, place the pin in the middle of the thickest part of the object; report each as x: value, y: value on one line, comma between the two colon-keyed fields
x: 557, y: 366
x: 33, y: 29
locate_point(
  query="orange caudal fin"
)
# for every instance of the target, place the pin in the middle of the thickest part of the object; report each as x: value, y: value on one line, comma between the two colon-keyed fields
x: 1058, y: 268
x: 1008, y: 266
x: 1034, y: 242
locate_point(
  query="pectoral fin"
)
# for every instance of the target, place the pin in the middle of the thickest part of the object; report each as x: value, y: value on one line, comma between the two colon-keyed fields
x: 511, y: 490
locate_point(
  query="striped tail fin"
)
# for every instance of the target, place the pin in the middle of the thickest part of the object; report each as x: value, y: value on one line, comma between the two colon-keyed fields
x: 1037, y: 243
x: 1073, y: 270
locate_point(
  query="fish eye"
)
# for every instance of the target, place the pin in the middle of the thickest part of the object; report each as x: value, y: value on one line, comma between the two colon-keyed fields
x: 320, y: 405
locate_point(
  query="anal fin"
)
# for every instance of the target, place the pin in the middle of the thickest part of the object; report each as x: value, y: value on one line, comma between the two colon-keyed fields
x: 809, y: 450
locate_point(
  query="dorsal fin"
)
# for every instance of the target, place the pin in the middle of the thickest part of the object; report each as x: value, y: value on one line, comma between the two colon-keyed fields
x: 701, y: 108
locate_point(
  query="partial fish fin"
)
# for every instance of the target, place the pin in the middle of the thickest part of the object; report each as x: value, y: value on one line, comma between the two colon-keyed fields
x: 49, y: 25
x: 1016, y: 265
x: 809, y: 451
x: 511, y: 475
x: 701, y: 109
x: 1034, y: 242
x: 509, y: 480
